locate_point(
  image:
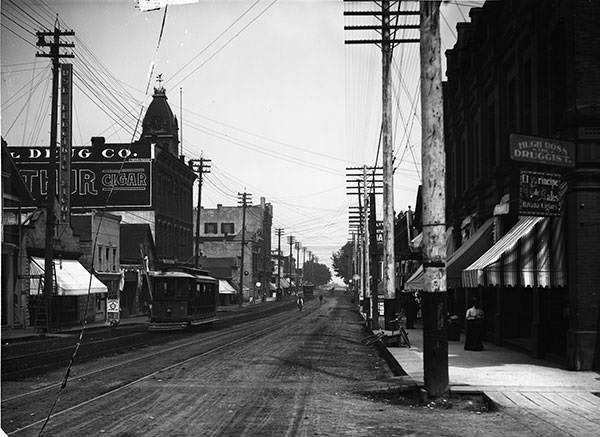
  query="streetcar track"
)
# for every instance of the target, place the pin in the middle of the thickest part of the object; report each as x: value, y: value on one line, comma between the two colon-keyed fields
x: 132, y: 360
x: 257, y: 334
x: 85, y: 353
x: 67, y: 348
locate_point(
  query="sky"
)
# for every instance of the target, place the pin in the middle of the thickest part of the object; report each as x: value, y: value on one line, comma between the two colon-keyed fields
x: 270, y: 93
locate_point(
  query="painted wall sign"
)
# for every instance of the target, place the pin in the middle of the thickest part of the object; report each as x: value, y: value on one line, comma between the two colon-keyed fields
x: 539, y: 193
x: 101, y: 177
x: 542, y: 150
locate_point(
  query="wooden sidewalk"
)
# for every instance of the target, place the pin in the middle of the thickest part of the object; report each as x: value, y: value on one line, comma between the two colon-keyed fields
x: 548, y: 400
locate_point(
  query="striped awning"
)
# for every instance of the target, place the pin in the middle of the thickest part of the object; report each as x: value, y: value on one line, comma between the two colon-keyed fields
x: 530, y: 254
x: 415, y: 282
x: 469, y: 252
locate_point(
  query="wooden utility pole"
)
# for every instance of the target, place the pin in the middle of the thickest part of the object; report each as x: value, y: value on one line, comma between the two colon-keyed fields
x: 387, y: 42
x: 367, y: 259
x: 243, y: 198
x: 304, y: 278
x: 359, y: 217
x: 435, y: 334
x: 55, y: 54
x: 291, y: 243
x: 200, y: 166
x: 297, y: 264
x: 374, y: 260
x: 279, y: 231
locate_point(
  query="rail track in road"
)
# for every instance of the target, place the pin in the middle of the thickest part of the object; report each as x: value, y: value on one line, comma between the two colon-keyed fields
x: 133, y: 370
x: 33, y: 357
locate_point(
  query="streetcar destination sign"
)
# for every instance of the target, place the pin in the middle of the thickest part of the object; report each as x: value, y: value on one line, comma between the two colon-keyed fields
x: 546, y: 151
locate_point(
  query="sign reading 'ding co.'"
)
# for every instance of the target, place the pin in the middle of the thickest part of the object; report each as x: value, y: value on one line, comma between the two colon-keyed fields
x: 546, y: 151
x: 111, y: 175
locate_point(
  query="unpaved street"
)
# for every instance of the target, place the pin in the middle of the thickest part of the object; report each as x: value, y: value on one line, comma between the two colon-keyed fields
x: 296, y: 373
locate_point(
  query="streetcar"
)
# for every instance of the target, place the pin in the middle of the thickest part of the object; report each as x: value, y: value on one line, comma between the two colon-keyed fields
x: 182, y: 297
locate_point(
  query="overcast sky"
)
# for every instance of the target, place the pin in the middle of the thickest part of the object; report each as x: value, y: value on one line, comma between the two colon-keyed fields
x: 270, y: 93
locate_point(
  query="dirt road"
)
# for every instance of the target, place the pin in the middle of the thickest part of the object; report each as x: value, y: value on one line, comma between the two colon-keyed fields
x: 292, y: 374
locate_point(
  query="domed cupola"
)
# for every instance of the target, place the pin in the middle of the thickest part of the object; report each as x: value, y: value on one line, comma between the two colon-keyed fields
x: 159, y: 124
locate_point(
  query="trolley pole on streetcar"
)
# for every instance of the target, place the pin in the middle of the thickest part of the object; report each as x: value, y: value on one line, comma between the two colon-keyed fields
x: 243, y: 198
x: 200, y: 166
x: 55, y: 54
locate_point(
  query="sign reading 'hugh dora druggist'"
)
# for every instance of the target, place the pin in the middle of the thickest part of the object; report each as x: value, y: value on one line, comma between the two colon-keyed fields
x: 542, y: 150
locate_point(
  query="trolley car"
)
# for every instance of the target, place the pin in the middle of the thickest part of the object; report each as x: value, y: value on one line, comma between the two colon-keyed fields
x: 182, y: 297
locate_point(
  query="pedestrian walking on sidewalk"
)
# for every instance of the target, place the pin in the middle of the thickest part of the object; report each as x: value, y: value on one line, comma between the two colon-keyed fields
x: 474, y: 328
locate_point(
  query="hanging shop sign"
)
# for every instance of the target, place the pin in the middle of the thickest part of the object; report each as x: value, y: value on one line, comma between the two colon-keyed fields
x: 546, y: 151
x: 539, y: 193
x: 113, y: 176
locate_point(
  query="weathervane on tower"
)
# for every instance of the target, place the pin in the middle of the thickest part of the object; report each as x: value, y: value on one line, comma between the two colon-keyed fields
x: 160, y: 88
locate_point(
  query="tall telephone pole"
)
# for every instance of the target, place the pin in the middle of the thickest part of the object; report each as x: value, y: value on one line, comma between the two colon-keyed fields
x: 291, y: 240
x: 304, y: 278
x: 279, y: 231
x: 359, y: 175
x: 297, y: 263
x: 55, y: 55
x: 200, y: 166
x: 435, y: 334
x: 388, y: 41
x: 243, y: 198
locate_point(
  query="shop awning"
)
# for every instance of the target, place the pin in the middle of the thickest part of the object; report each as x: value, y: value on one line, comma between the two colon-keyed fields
x: 415, y: 243
x: 522, y: 256
x: 415, y: 282
x: 284, y: 283
x: 468, y: 253
x: 272, y: 286
x: 225, y: 287
x: 72, y: 279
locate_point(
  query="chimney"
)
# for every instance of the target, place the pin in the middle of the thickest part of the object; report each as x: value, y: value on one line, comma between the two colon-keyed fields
x: 98, y: 141
x: 219, y: 205
x: 262, y: 201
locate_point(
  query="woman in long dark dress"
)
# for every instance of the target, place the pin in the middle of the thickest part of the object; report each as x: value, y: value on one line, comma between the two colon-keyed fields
x: 474, y: 328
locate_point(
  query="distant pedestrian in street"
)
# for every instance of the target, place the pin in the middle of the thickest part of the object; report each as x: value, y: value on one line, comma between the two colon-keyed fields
x: 474, y: 328
x: 320, y: 299
x: 300, y: 303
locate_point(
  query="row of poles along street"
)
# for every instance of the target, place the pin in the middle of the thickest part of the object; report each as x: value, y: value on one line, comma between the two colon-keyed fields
x: 433, y: 183
x: 435, y: 342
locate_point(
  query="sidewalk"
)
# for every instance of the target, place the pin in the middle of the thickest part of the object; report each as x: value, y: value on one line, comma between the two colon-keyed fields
x: 13, y: 334
x: 24, y: 333
x: 558, y: 401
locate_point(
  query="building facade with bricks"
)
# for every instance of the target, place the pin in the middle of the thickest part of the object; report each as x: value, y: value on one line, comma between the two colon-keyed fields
x: 522, y: 139
x: 221, y: 237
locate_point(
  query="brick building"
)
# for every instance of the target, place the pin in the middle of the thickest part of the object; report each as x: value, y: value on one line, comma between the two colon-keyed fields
x: 527, y: 73
x: 170, y: 217
x: 221, y: 235
x: 101, y: 254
